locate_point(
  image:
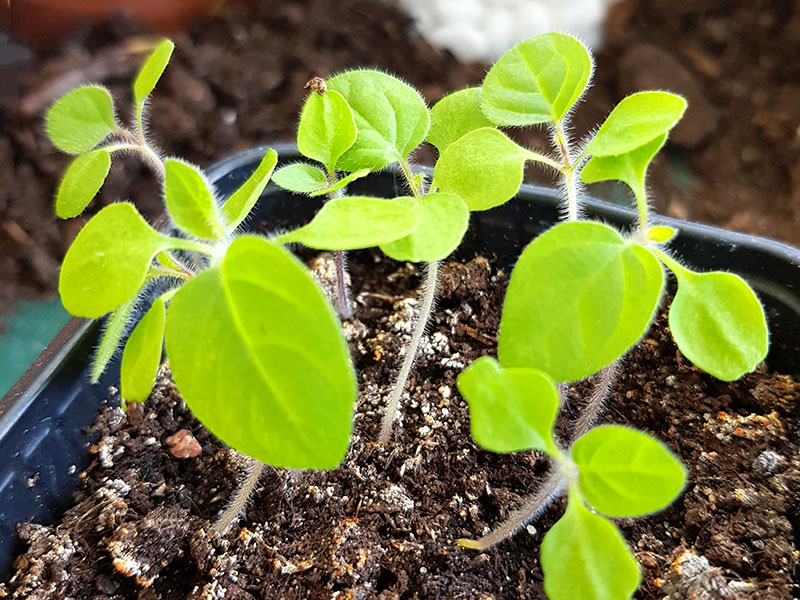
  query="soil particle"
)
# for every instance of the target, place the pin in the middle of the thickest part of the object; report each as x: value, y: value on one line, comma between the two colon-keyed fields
x: 384, y: 524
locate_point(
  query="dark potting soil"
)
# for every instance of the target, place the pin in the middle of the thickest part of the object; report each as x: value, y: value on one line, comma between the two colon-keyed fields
x: 384, y: 524
x: 237, y: 80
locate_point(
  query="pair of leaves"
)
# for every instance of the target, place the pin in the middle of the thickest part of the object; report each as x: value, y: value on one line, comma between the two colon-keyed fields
x: 82, y: 119
x: 579, y: 297
x: 258, y: 354
x: 303, y: 178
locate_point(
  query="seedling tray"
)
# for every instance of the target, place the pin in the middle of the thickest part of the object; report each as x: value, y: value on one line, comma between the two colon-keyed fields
x: 44, y: 417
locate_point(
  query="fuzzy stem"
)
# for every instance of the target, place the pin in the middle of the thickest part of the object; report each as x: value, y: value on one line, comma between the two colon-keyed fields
x: 238, y: 502
x: 599, y: 393
x: 534, y: 505
x: 149, y: 155
x: 428, y: 296
x: 342, y: 303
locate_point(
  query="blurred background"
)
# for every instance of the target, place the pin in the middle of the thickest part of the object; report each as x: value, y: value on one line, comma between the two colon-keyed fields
x: 237, y: 76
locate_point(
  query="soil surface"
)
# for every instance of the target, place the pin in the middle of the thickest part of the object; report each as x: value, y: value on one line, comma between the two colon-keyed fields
x: 237, y: 80
x: 384, y: 524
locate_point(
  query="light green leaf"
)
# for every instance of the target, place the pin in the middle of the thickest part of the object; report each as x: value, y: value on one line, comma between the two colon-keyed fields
x: 537, y: 81
x: 661, y: 233
x: 625, y: 473
x: 80, y: 120
x: 113, y: 329
x: 510, y: 409
x: 455, y: 115
x: 108, y: 261
x: 635, y: 121
x: 585, y: 557
x: 258, y: 355
x: 190, y: 202
x: 443, y: 221
x: 717, y: 322
x: 302, y: 178
x: 151, y: 71
x: 630, y: 168
x: 483, y: 167
x: 142, y: 354
x: 355, y: 222
x: 327, y: 128
x: 242, y: 201
x: 341, y: 183
x: 83, y: 179
x: 579, y: 297
x: 391, y: 117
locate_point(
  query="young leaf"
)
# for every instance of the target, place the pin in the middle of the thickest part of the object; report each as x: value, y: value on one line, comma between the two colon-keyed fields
x: 258, y: 354
x: 443, y: 221
x: 341, y: 183
x: 630, y: 167
x: 510, y: 409
x: 113, y: 329
x: 635, y: 121
x: 242, y: 201
x: 108, y: 261
x: 483, y: 167
x: 585, y: 556
x: 142, y: 354
x: 455, y: 115
x: 84, y: 177
x: 391, y: 117
x: 537, y: 81
x: 579, y: 297
x: 151, y: 72
x: 327, y: 128
x: 302, y: 178
x: 80, y: 120
x: 190, y: 201
x: 625, y: 473
x: 717, y: 322
x: 661, y: 233
x: 355, y: 222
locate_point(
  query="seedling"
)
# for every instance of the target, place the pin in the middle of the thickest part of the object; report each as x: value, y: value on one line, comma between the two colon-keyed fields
x: 254, y: 345
x: 580, y: 296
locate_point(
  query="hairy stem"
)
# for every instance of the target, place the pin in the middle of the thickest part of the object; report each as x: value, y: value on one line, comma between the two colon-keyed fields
x: 238, y: 502
x: 150, y: 156
x: 534, y: 505
x: 428, y: 296
x: 343, y: 304
x: 602, y: 387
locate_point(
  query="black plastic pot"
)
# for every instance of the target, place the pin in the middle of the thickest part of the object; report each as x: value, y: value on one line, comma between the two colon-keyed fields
x: 43, y: 444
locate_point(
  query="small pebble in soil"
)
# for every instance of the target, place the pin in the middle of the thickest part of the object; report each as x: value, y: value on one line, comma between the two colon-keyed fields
x: 768, y: 462
x: 183, y: 444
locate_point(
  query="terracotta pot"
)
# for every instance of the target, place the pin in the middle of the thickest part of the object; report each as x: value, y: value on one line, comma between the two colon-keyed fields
x: 42, y: 23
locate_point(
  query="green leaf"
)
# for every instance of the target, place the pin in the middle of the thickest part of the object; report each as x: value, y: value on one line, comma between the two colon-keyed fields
x: 83, y: 179
x: 302, y: 178
x: 81, y: 119
x: 327, y: 128
x: 113, y: 329
x: 391, y: 117
x: 258, y: 355
x: 242, y: 201
x: 661, y: 234
x: 443, y: 221
x: 341, y: 183
x: 151, y: 71
x: 455, y: 115
x: 190, y: 202
x: 579, y: 297
x: 630, y: 168
x: 483, y: 167
x: 625, y: 473
x: 510, y: 409
x: 537, y: 81
x: 355, y: 222
x: 142, y: 354
x: 585, y: 557
x: 717, y: 322
x: 635, y: 121
x: 108, y: 261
